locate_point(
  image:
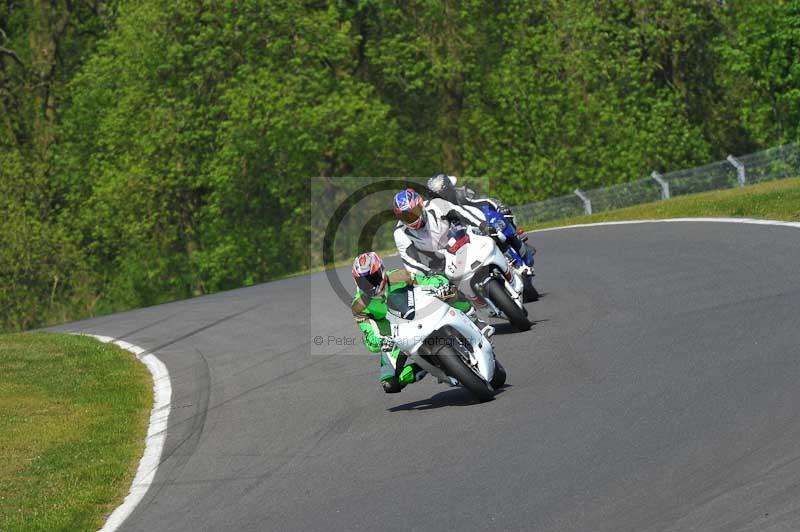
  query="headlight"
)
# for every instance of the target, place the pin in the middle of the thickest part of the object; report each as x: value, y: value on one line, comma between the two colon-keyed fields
x: 500, y: 224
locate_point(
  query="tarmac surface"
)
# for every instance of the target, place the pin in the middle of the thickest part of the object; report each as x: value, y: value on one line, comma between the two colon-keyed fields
x: 659, y: 390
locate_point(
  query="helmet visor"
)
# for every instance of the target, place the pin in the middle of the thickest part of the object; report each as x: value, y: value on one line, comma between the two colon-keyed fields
x: 370, y: 284
x: 413, y: 216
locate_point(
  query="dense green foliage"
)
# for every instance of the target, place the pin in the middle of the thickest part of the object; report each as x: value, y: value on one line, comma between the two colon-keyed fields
x: 157, y: 149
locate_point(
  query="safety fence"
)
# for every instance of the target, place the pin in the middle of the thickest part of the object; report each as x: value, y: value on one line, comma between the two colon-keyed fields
x: 351, y: 214
x: 775, y: 163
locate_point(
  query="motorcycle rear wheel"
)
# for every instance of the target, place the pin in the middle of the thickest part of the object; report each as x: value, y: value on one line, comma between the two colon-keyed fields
x: 496, y: 292
x: 499, y: 377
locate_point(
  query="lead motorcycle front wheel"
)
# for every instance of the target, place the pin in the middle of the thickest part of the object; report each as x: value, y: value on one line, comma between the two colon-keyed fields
x: 455, y: 366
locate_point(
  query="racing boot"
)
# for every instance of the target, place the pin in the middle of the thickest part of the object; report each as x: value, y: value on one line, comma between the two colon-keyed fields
x: 450, y: 381
x: 396, y: 383
x: 412, y: 373
x: 486, y: 329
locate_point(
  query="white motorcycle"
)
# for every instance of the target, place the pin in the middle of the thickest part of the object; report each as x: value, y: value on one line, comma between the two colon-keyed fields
x: 480, y: 271
x: 443, y: 341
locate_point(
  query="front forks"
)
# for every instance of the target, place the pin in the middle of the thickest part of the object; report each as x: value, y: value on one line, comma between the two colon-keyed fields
x: 511, y: 290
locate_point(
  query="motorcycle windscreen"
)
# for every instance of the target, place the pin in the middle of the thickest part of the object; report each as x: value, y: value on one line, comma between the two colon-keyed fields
x: 401, y: 303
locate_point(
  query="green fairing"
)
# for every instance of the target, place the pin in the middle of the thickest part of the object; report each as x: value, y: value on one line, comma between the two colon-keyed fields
x: 462, y: 304
x: 431, y: 280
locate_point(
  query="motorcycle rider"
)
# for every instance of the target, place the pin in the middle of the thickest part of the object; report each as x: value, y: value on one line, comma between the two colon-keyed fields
x: 373, y: 284
x: 421, y: 231
x: 443, y: 186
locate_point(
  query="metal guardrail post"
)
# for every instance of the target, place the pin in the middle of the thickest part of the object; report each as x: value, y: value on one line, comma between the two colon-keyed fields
x: 587, y: 203
x: 664, y: 185
x: 788, y: 154
x: 740, y: 173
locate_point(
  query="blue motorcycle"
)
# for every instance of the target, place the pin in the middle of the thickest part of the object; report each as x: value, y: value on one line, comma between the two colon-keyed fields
x: 513, y: 243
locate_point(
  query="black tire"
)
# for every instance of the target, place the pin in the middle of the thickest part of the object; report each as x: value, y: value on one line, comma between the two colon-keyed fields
x: 529, y: 291
x: 495, y: 291
x: 499, y: 377
x: 454, y: 366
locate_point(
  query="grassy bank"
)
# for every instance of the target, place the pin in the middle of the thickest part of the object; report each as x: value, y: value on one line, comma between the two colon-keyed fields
x: 73, y: 416
x: 775, y: 200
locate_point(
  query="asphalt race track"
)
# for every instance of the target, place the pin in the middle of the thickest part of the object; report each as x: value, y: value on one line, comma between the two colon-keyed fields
x: 659, y: 390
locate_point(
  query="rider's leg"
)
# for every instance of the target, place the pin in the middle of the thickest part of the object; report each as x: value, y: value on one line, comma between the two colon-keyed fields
x: 524, y: 251
x: 466, y: 307
x: 389, y: 380
x: 395, y: 375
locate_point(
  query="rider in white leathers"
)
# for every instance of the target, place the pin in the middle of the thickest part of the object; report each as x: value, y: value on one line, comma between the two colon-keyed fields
x: 421, y: 233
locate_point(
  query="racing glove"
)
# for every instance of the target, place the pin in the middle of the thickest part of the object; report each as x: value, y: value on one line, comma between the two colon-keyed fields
x: 445, y: 291
x: 387, y: 344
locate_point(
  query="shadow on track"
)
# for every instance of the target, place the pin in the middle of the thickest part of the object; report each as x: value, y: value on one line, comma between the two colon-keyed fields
x: 503, y: 327
x: 452, y: 397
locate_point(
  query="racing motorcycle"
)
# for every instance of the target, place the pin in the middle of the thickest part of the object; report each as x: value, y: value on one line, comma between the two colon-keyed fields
x: 480, y: 271
x: 443, y: 341
x: 502, y: 228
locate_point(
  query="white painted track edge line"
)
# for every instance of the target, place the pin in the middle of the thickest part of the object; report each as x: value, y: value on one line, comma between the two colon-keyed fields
x: 162, y: 388
x: 754, y: 221
x: 156, y: 431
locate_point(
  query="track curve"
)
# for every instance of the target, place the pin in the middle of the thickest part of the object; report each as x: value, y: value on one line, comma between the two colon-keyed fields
x: 657, y: 391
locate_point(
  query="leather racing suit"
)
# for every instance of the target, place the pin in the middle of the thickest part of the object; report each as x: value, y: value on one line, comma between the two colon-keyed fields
x: 370, y: 315
x: 420, y: 249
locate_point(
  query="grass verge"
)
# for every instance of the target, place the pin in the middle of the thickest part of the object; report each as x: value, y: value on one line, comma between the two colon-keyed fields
x: 774, y: 200
x: 73, y: 418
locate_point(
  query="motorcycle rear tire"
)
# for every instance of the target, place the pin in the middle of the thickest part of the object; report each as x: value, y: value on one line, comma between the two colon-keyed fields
x: 455, y: 366
x: 496, y: 292
x: 499, y: 377
x: 529, y: 293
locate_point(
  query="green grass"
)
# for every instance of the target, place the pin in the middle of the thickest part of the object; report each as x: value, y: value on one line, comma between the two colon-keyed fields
x: 73, y: 417
x: 774, y: 200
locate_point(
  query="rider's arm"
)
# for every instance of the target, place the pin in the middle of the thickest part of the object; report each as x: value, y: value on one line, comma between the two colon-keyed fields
x: 415, y: 279
x: 404, y: 248
x: 400, y: 276
x: 368, y: 326
x: 452, y: 212
x: 493, y: 204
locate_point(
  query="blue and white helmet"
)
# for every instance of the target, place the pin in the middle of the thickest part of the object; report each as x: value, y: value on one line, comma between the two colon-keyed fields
x: 409, y: 207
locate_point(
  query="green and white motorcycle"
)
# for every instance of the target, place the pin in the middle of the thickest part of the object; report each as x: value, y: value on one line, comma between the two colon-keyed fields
x: 444, y: 341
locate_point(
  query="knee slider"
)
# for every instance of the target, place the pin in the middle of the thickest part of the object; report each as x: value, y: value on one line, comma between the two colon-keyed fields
x: 391, y: 385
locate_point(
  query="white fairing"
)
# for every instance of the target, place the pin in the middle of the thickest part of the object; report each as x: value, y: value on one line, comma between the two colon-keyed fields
x: 481, y: 250
x: 431, y: 314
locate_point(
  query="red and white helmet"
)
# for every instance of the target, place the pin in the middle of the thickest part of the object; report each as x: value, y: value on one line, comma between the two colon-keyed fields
x: 368, y: 273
